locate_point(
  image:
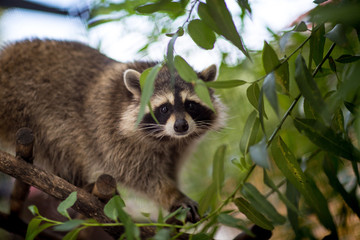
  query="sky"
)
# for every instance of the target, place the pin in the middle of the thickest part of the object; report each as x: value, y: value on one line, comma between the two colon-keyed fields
x: 116, y: 41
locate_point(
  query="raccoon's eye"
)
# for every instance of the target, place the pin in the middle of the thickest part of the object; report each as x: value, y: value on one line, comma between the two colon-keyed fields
x: 164, y: 109
x: 190, y: 105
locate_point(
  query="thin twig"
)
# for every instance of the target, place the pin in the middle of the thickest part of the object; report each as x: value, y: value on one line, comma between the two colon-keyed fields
x: 190, y: 13
x: 291, y: 54
x: 290, y: 109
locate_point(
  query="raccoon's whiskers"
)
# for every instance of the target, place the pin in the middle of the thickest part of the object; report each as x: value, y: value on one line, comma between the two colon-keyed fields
x: 153, y: 130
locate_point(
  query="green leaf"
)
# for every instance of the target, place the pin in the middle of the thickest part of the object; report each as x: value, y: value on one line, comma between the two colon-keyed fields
x: 356, y: 171
x: 202, y: 92
x: 201, y: 34
x: 289, y: 166
x: 32, y: 228
x: 173, y: 214
x: 338, y: 35
x: 114, y: 210
x: 271, y: 63
x: 35, y: 227
x: 249, y: 133
x: 148, y: 89
x: 208, y: 199
x: 325, y: 138
x: 309, y: 111
x: 66, y: 204
x: 218, y: 168
x: 131, y: 230
x: 209, y: 227
x: 262, y: 111
x: 253, y: 95
x: 279, y: 70
x: 160, y: 218
x: 184, y: 69
x: 282, y: 77
x: 152, y: 113
x: 348, y: 89
x: 216, y: 15
x: 111, y: 207
x: 182, y: 214
x: 319, y: 1
x: 201, y: 236
x: 243, y: 164
x: 253, y: 214
x: 69, y: 225
x: 33, y: 209
x: 283, y: 198
x: 269, y: 88
x: 309, y: 88
x: 284, y: 39
x: 143, y: 77
x: 230, y: 221
x: 161, y: 6
x: 73, y: 234
x: 259, y: 155
x: 261, y: 203
x: 338, y: 121
x: 148, y: 8
x: 346, y: 58
x: 332, y: 64
x: 330, y: 170
x: 245, y: 7
x: 301, y: 27
x: 351, y: 107
x: 109, y: 7
x: 162, y: 234
x: 269, y: 58
x: 145, y: 214
x: 293, y: 195
x: 273, y: 66
x: 225, y: 84
x: 207, y: 18
x: 317, y: 43
x: 237, y: 163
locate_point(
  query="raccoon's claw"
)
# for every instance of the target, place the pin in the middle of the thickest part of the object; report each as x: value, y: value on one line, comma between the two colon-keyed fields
x: 192, y: 215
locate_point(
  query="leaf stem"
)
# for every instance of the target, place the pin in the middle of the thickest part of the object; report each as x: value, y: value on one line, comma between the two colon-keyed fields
x: 190, y: 12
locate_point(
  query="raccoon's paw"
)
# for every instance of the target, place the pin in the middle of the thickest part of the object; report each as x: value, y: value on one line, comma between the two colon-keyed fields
x: 192, y: 215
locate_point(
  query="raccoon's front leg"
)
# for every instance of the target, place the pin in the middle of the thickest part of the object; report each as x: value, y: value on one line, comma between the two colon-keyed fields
x: 170, y: 197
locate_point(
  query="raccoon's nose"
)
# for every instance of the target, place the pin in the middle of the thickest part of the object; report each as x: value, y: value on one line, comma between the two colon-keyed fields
x: 181, y: 126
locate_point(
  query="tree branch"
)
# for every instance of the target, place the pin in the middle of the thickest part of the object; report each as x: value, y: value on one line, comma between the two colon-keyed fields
x: 86, y: 204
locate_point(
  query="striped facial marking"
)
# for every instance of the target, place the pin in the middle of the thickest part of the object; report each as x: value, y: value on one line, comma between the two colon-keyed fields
x: 178, y: 116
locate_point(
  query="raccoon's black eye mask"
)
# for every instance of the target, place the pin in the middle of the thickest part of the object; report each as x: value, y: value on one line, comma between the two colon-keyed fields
x: 198, y: 112
x: 162, y: 113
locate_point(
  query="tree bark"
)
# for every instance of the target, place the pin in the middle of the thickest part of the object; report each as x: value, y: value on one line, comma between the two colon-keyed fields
x: 57, y: 187
x: 24, y: 150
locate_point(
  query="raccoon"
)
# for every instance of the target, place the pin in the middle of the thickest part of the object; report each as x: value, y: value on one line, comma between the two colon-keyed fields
x: 83, y: 106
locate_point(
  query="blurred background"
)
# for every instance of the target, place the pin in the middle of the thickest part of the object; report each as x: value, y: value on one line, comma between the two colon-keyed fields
x: 123, y: 39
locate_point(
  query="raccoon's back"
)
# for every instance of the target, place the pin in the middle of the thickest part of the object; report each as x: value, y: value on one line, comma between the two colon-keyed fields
x: 38, y: 77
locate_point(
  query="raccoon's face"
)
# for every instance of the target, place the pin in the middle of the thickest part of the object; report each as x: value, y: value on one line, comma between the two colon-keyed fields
x: 179, y: 112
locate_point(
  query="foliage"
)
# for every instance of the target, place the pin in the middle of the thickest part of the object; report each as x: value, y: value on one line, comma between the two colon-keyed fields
x: 302, y: 121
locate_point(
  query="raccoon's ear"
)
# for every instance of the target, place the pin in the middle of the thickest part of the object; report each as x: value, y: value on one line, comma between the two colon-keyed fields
x: 208, y: 74
x: 132, y: 81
